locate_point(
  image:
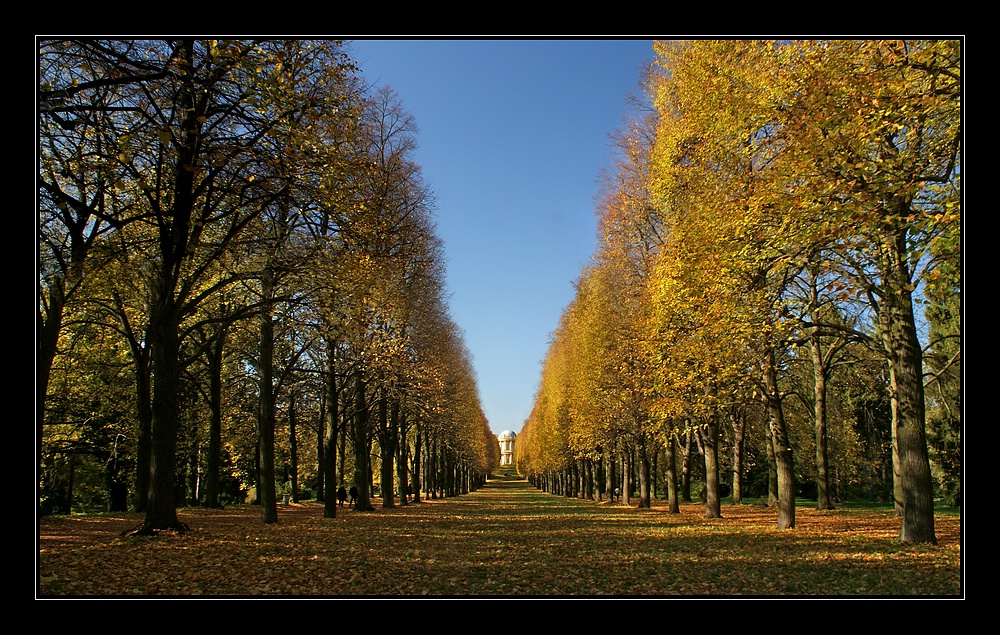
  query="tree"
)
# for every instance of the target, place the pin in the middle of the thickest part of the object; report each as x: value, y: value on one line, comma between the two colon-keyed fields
x: 879, y: 123
x: 720, y: 177
x: 80, y: 119
x: 185, y: 125
x: 856, y: 146
x: 239, y: 177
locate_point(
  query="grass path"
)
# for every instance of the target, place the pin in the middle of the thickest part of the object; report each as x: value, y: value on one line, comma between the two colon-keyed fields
x: 505, y: 540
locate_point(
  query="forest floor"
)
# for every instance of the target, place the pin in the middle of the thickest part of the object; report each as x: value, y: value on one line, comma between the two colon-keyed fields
x: 506, y: 540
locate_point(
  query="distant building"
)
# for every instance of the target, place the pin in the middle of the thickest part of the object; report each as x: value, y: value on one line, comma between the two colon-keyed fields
x: 506, y: 447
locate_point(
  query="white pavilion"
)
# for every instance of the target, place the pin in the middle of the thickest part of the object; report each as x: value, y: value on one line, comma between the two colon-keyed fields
x: 506, y: 447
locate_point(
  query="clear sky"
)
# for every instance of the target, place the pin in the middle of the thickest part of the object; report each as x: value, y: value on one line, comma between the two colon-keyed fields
x: 512, y: 138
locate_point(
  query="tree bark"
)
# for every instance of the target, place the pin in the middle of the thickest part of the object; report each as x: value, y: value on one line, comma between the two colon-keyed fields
x: 161, y: 511
x: 642, y: 455
x: 626, y: 473
x: 902, y: 347
x: 430, y: 471
x: 710, y: 443
x: 772, y: 468
x: 415, y: 473
x: 609, y: 472
x: 330, y: 437
x: 293, y: 447
x: 321, y: 452
x: 686, y: 463
x: 266, y: 492
x: 819, y: 417
x: 402, y: 458
x: 164, y: 313
x: 671, y: 475
x: 214, y: 458
x: 739, y: 422
x: 782, y: 446
x: 362, y: 447
x: 387, y: 446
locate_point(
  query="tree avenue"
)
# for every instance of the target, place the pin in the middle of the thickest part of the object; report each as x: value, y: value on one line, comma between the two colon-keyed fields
x: 241, y: 290
x: 805, y: 203
x: 241, y: 226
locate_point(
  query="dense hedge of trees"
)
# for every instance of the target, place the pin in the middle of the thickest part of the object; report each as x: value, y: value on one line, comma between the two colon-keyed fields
x: 778, y: 227
x: 240, y: 285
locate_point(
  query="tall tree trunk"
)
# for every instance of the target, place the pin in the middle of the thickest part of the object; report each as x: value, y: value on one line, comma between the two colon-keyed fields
x: 772, y: 468
x: 600, y: 477
x: 446, y: 472
x: 739, y: 421
x: 214, y: 458
x: 387, y: 446
x: 703, y: 495
x: 321, y: 452
x: 345, y: 433
x: 642, y: 456
x: 266, y: 423
x: 819, y: 409
x: 902, y: 347
x: 671, y: 475
x: 710, y: 444
x: 654, y: 477
x: 330, y: 436
x: 293, y: 446
x: 362, y: 447
x: 165, y: 312
x: 686, y: 463
x: 402, y: 458
x: 415, y: 472
x: 782, y: 446
x: 591, y: 477
x: 626, y: 474
x: 144, y: 436
x: 161, y: 509
x: 430, y: 476
x: 609, y: 472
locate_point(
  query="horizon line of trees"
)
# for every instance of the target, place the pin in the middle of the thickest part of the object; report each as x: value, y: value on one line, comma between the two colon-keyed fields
x: 774, y: 303
x: 235, y: 250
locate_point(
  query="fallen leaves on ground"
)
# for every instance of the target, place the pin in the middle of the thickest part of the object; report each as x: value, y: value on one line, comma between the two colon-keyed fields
x: 505, y: 540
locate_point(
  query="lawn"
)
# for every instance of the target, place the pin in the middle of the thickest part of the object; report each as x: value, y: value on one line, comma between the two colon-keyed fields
x: 505, y: 540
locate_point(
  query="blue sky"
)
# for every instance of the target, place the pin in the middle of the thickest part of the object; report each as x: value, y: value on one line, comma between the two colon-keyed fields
x: 512, y: 138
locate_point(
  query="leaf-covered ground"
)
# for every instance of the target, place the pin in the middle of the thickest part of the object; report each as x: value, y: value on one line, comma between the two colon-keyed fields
x: 505, y: 540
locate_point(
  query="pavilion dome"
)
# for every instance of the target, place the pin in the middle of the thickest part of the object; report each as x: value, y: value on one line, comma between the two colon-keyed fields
x: 506, y: 434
